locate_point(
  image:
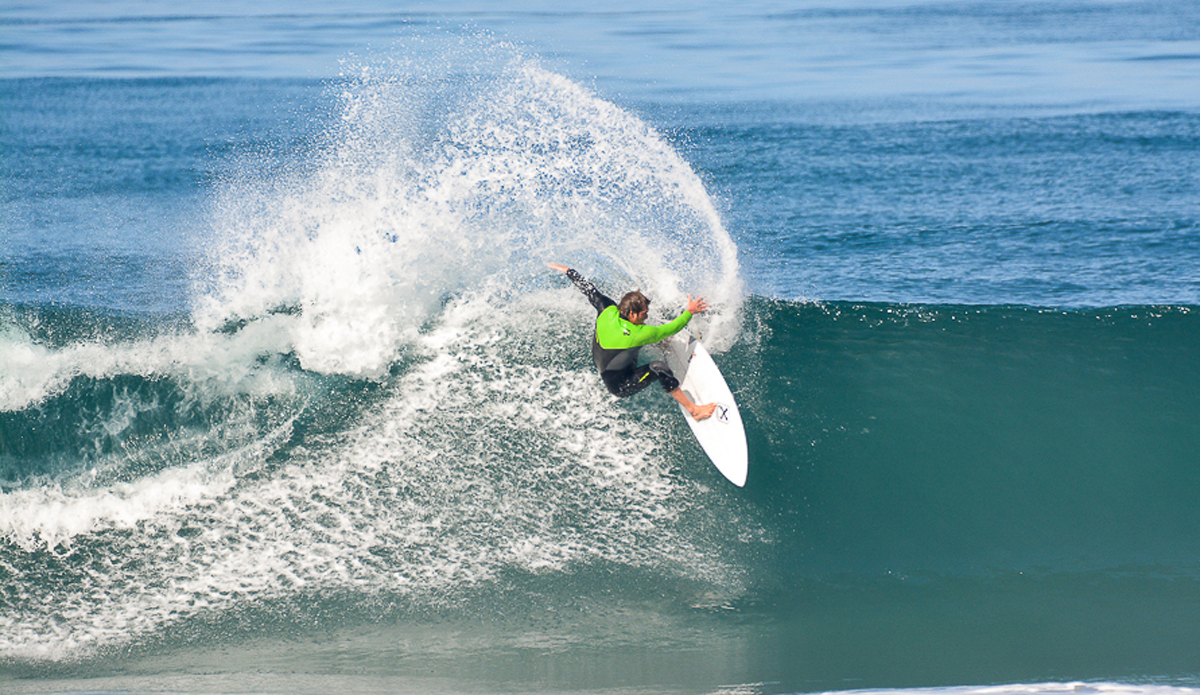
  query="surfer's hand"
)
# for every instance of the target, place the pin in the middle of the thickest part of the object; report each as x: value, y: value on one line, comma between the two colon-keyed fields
x: 697, y: 305
x: 559, y: 268
x: 700, y: 412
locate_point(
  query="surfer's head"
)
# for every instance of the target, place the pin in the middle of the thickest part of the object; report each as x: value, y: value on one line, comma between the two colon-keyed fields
x: 634, y: 306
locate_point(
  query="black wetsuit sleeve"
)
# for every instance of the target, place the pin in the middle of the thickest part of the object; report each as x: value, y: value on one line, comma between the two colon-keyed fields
x: 598, y: 300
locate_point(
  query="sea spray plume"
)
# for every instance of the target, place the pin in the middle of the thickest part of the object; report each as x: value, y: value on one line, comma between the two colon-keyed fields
x: 438, y: 173
x: 493, y: 460
x: 585, y: 178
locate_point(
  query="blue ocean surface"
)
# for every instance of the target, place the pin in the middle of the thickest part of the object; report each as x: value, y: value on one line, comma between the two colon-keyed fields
x: 290, y: 402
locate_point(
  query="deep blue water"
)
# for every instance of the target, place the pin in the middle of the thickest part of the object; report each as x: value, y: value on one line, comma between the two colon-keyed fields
x: 289, y: 402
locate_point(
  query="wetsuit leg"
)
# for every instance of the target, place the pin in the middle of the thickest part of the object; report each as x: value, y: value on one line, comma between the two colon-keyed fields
x: 664, y: 375
x: 626, y: 383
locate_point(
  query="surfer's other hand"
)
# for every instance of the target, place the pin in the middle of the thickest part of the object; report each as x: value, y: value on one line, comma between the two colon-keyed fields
x: 701, y: 412
x: 697, y: 305
x: 559, y: 268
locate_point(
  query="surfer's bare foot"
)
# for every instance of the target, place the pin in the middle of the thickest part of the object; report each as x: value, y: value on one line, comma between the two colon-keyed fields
x: 698, y: 412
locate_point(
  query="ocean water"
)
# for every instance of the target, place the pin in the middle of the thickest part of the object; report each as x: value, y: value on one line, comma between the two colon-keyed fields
x: 289, y: 402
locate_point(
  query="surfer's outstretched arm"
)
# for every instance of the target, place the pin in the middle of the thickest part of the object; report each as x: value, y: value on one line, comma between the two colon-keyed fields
x: 598, y: 300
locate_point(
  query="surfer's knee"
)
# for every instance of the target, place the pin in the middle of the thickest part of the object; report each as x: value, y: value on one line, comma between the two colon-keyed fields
x: 614, y: 386
x: 665, y: 376
x: 621, y: 384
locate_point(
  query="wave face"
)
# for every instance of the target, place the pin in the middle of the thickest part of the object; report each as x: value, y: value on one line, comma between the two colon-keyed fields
x: 956, y: 439
x: 997, y: 494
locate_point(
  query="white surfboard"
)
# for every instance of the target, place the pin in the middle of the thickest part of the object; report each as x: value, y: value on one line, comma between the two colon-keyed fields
x: 721, y: 436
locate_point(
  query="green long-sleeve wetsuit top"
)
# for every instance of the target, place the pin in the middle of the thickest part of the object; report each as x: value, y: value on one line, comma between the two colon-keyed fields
x: 617, y: 342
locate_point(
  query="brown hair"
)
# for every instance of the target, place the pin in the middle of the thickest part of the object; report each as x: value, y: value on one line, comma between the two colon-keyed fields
x: 633, y: 303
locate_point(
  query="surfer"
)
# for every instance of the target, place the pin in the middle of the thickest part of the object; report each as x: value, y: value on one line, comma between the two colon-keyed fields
x: 621, y: 332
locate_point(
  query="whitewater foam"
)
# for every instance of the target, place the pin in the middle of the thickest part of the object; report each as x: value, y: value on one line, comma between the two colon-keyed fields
x: 493, y: 456
x: 208, y: 363
x: 438, y: 176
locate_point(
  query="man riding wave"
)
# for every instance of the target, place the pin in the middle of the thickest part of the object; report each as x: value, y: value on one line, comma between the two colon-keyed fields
x: 621, y: 332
